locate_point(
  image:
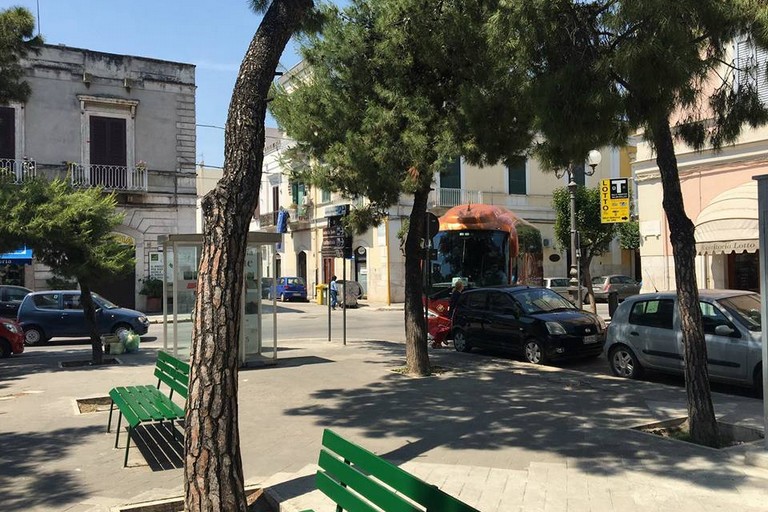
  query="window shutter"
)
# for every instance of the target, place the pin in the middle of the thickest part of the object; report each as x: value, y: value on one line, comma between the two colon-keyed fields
x: 7, y: 133
x: 761, y: 57
x: 516, y: 176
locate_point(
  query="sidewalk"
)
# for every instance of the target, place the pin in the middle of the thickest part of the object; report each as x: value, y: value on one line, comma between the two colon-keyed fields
x: 499, y: 434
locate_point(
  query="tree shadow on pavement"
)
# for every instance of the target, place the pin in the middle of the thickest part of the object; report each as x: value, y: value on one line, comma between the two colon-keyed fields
x: 26, y: 482
x: 508, y: 414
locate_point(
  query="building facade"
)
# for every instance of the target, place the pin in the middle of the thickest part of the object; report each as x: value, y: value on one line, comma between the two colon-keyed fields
x: 123, y: 123
x: 720, y: 198
x: 378, y: 262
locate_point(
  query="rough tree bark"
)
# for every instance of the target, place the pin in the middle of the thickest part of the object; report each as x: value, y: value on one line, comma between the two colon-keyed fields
x: 213, y: 468
x: 701, y: 413
x: 89, y: 311
x: 416, y: 356
x: 586, y: 278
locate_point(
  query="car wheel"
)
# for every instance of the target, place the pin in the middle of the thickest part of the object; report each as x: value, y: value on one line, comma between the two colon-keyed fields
x: 5, y: 349
x: 282, y: 297
x: 624, y: 363
x: 533, y: 352
x: 121, y: 330
x: 460, y: 342
x: 34, y: 336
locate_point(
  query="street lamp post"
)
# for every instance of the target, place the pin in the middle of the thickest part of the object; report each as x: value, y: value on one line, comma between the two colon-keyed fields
x: 574, y: 284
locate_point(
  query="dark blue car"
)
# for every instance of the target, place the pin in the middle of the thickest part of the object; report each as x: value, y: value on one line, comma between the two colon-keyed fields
x: 291, y: 288
x: 59, y: 313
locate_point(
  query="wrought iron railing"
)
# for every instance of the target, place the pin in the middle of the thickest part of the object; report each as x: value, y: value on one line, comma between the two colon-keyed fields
x: 111, y: 177
x: 18, y: 170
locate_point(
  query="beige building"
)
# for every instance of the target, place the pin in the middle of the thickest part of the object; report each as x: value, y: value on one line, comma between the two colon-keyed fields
x: 377, y: 262
x: 720, y: 198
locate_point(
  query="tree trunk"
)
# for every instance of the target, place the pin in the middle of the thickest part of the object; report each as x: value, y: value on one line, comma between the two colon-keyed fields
x: 586, y: 279
x: 416, y: 356
x: 89, y: 311
x: 701, y: 413
x: 213, y: 467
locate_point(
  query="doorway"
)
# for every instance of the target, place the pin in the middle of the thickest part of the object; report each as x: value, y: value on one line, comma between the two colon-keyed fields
x: 301, y: 265
x: 361, y: 268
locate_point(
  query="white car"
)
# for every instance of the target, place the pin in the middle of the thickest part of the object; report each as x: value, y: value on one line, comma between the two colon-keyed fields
x: 561, y: 285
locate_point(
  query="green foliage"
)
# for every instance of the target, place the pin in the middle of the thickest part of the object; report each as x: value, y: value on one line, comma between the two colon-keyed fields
x: 151, y: 287
x: 395, y: 89
x: 629, y: 235
x: 529, y: 238
x: 60, y: 283
x: 595, y: 236
x: 70, y: 230
x: 17, y: 39
x: 601, y: 68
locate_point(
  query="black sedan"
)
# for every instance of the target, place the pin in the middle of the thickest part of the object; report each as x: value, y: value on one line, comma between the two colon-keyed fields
x: 535, y: 322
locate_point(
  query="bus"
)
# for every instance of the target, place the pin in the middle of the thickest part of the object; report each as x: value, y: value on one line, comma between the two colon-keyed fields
x: 483, y: 245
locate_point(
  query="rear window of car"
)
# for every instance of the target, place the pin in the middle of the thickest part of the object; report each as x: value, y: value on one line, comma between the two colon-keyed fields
x: 558, y: 282
x: 653, y: 313
x: 14, y: 294
x: 46, y: 301
x: 598, y: 280
x: 294, y: 281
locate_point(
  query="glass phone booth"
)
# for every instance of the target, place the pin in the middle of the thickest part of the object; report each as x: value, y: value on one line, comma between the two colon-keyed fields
x: 258, y: 334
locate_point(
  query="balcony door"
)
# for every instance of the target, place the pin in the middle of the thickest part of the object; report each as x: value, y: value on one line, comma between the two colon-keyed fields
x: 108, y: 152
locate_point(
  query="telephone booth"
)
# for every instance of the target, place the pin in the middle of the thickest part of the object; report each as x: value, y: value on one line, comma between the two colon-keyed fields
x: 258, y: 334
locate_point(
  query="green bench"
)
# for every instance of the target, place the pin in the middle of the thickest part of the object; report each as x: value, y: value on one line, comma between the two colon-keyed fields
x: 141, y: 404
x: 359, y: 481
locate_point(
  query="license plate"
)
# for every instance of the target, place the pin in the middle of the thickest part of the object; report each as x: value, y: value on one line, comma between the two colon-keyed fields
x: 590, y: 339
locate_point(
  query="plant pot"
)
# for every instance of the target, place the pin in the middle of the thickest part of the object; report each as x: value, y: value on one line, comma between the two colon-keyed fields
x: 154, y: 304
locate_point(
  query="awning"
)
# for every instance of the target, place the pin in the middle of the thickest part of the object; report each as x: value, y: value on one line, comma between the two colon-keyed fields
x: 20, y: 257
x: 729, y: 222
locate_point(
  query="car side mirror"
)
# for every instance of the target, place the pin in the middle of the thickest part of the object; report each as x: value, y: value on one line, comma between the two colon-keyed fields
x: 725, y: 330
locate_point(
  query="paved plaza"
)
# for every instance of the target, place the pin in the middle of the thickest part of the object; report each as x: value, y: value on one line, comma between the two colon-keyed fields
x: 499, y: 434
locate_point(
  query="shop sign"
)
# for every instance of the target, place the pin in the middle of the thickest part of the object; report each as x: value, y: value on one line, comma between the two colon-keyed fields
x: 614, y: 200
x: 728, y: 246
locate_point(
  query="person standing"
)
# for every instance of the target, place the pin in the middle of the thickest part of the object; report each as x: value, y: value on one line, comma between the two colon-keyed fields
x: 334, y: 292
x: 457, y: 289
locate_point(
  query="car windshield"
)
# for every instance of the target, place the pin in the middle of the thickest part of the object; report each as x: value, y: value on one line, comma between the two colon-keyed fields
x: 746, y: 308
x: 541, y: 300
x: 103, y: 303
x: 598, y: 280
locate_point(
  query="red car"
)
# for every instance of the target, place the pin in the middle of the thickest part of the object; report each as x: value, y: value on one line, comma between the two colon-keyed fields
x: 11, y: 338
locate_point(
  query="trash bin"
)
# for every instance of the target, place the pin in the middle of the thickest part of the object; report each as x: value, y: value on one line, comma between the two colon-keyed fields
x: 613, y: 303
x: 321, y: 291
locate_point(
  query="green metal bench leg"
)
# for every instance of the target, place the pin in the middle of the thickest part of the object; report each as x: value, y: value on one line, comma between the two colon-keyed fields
x: 109, y: 423
x: 127, y: 446
x: 119, y: 419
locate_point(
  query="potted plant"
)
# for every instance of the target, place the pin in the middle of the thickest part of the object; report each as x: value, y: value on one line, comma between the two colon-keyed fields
x: 152, y: 287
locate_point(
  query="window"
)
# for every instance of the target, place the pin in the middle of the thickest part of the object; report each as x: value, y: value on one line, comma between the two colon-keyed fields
x: 108, y: 142
x: 450, y: 177
x: 711, y: 317
x: 653, y: 313
x: 298, y: 191
x: 326, y: 196
x: 7, y: 133
x: 516, y: 175
x: 46, y: 301
x: 501, y: 303
x: 751, y: 68
x: 476, y: 300
x: 72, y: 302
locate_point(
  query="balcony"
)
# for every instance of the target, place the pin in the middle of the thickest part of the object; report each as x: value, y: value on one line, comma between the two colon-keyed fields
x: 19, y: 171
x: 449, y: 197
x: 114, y: 178
x: 267, y: 220
x: 300, y: 217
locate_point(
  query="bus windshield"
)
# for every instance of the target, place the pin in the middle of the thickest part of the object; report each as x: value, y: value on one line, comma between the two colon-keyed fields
x: 481, y: 257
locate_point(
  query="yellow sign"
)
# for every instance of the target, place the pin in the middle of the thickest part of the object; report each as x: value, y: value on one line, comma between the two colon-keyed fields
x: 614, y: 200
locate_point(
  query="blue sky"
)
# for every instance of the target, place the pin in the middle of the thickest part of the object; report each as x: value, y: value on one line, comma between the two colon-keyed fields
x: 212, y: 34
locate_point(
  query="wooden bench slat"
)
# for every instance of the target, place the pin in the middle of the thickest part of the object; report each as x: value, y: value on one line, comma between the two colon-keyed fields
x: 373, y: 490
x: 341, y: 496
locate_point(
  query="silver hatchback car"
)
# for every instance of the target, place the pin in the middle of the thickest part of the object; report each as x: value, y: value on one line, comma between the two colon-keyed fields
x: 645, y: 332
